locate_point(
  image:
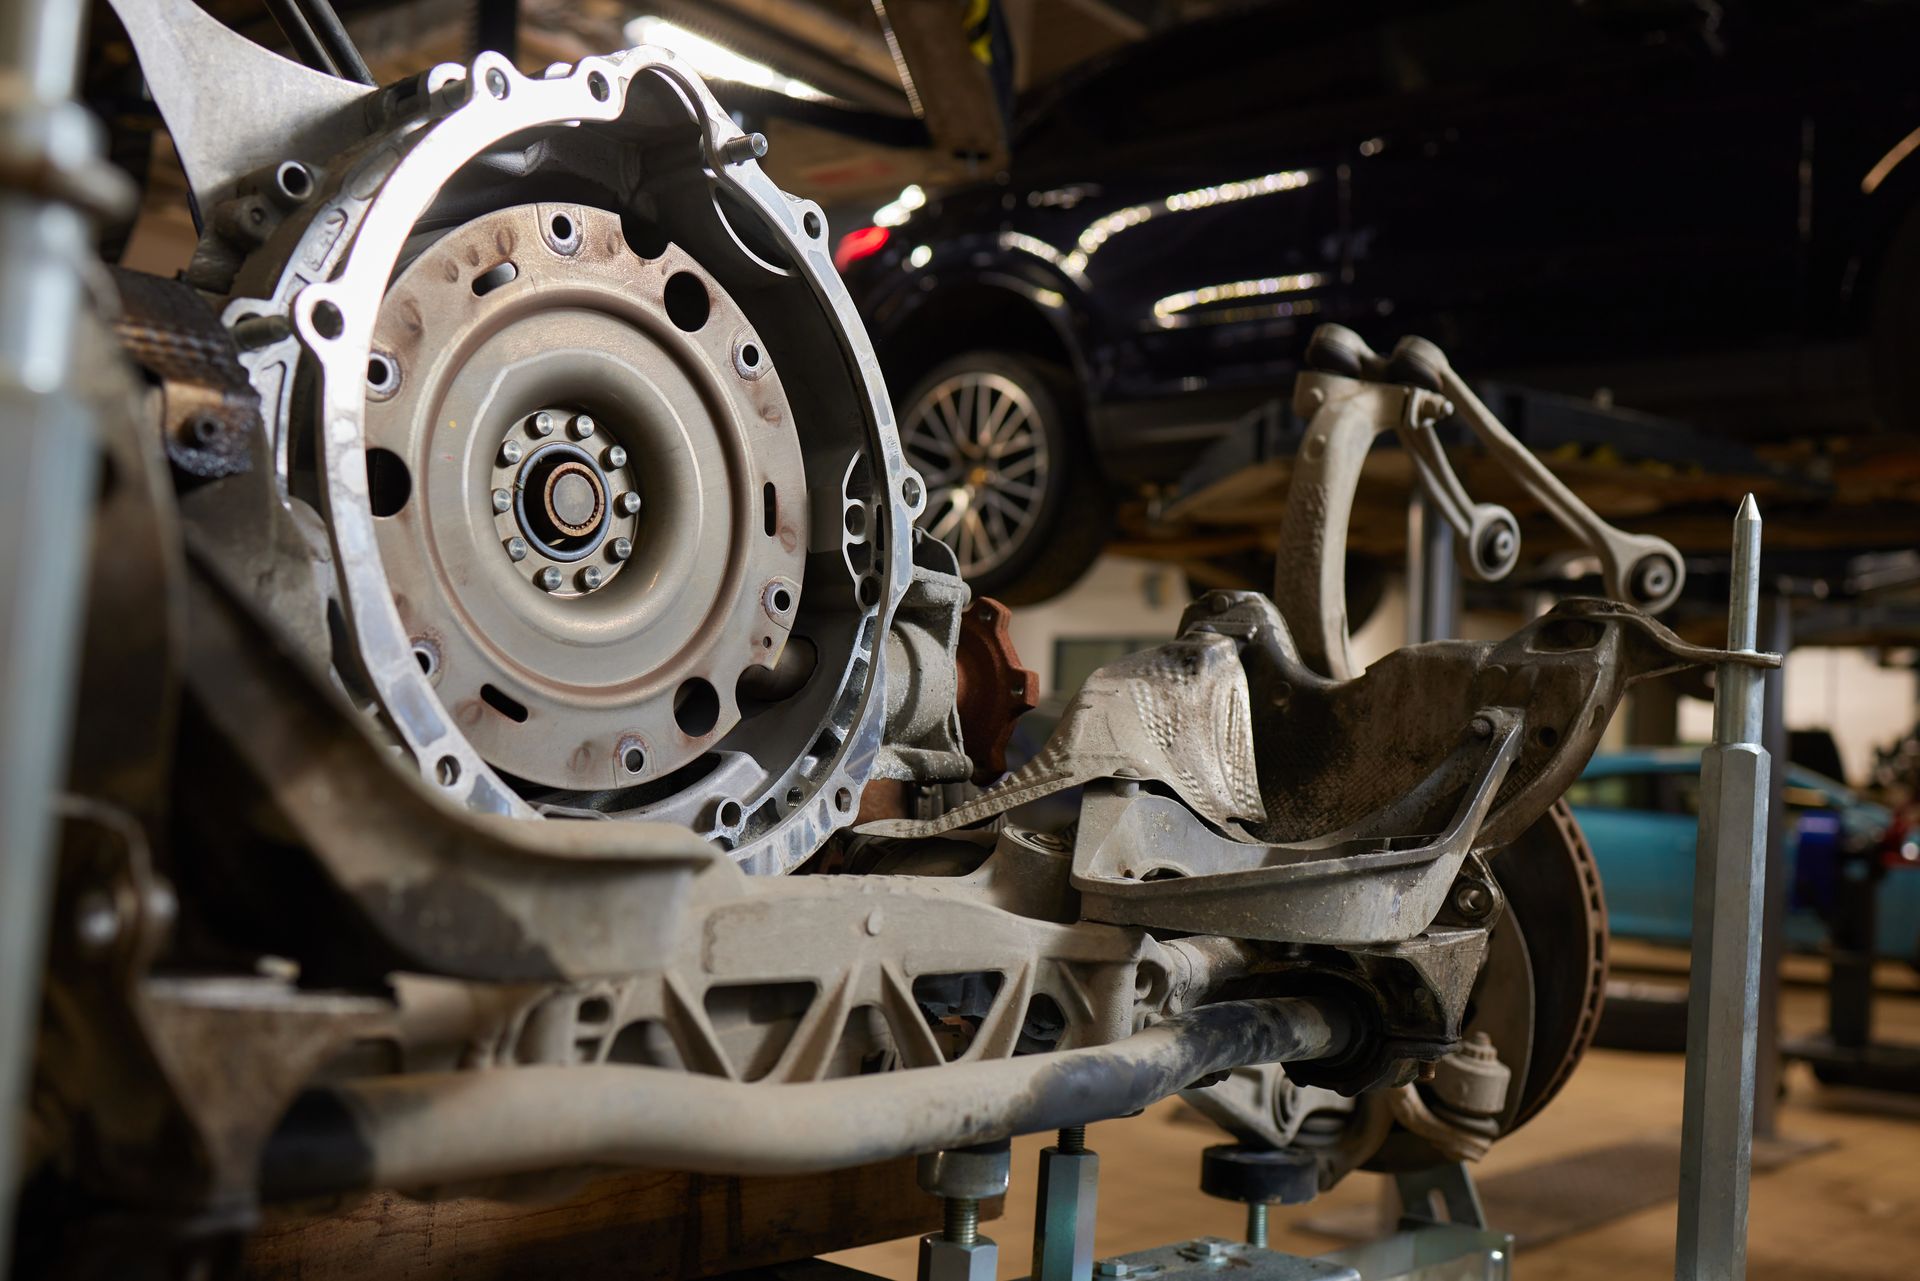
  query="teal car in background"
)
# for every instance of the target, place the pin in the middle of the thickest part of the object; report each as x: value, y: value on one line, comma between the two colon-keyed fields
x: 1640, y: 810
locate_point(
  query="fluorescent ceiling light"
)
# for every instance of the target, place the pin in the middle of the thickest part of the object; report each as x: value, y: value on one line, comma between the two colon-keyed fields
x: 717, y: 61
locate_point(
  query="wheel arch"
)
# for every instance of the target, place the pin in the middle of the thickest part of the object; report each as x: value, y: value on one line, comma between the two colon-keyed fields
x: 982, y: 313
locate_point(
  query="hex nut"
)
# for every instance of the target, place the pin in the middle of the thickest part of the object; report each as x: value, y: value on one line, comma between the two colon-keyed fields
x: 942, y: 1260
x: 969, y: 1173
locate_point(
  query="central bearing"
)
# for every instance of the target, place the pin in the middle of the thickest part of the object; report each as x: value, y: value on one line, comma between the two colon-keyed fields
x: 561, y: 501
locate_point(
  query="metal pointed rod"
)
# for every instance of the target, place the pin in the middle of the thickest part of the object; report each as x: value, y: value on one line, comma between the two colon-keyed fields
x: 1716, y: 1135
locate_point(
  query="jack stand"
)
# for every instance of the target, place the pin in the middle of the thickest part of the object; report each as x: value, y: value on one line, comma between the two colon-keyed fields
x: 1716, y: 1132
x: 1442, y: 1227
x: 1065, y: 1208
x: 962, y: 1178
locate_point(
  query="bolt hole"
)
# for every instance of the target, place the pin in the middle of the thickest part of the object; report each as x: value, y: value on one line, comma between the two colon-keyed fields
x: 696, y: 707
x: 796, y: 797
x: 1546, y: 736
x: 494, y: 277
x: 687, y: 302
x: 381, y: 374
x: 782, y: 600
x: 769, y: 509
x: 447, y: 770
x: 597, y: 86
x: 633, y: 760
x: 812, y: 223
x: 562, y: 227
x: 425, y: 657
x: 389, y: 484
x: 296, y: 183
x: 857, y: 521
x: 843, y: 800
x: 869, y: 591
x: 750, y: 356
x: 328, y: 322
x: 730, y: 814
x: 497, y: 82
x: 766, y: 642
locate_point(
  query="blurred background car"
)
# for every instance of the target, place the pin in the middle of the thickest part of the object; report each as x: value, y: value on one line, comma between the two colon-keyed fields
x: 1706, y: 210
x: 1640, y: 812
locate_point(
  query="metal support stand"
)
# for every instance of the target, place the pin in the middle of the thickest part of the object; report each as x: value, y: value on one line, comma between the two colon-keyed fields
x: 1776, y: 627
x: 1433, y: 577
x: 1716, y: 1136
x: 1065, y: 1208
x: 45, y: 249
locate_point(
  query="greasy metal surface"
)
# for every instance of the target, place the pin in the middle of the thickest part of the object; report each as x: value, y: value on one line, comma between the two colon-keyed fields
x: 592, y: 680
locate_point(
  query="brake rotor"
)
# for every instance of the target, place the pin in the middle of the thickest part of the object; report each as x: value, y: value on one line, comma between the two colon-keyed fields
x: 589, y: 494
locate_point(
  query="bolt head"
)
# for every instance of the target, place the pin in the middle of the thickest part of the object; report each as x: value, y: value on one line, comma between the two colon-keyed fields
x: 1113, y: 1268
x: 616, y: 457
x: 549, y: 579
x: 629, y: 503
x: 502, y: 500
x: 509, y: 452
x: 583, y: 427
x: 541, y: 424
x: 1472, y: 900
x: 590, y: 577
x: 516, y: 548
x: 621, y: 548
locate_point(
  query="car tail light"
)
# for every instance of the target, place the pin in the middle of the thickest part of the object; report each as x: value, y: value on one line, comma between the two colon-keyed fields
x: 863, y: 242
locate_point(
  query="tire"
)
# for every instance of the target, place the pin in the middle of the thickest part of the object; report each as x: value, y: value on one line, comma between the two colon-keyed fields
x: 1027, y: 521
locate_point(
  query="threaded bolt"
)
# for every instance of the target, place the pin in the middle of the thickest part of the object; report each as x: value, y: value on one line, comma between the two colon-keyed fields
x: 1257, y: 1224
x: 590, y: 577
x: 622, y: 548
x: 629, y: 503
x: 616, y: 456
x: 962, y: 1220
x: 549, y: 579
x: 509, y: 452
x: 502, y: 500
x: 583, y: 427
x: 516, y: 548
x: 1073, y: 1140
x: 542, y: 424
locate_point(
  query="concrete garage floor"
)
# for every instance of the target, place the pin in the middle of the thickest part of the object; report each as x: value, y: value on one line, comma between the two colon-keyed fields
x: 1849, y: 1211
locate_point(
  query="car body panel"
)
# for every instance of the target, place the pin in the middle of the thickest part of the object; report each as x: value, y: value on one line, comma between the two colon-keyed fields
x: 1636, y: 808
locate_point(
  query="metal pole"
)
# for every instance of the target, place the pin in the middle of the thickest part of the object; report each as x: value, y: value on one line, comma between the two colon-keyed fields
x: 1776, y: 619
x: 1433, y: 577
x: 46, y: 484
x: 1716, y: 1133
